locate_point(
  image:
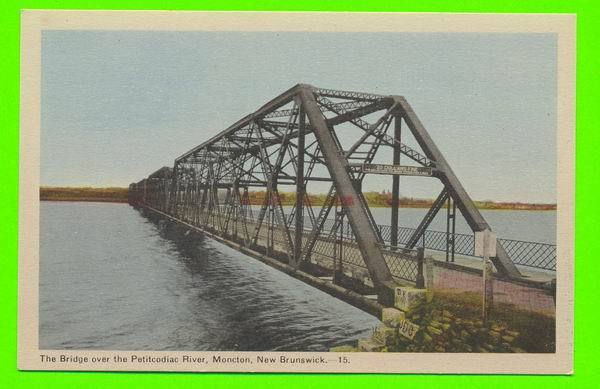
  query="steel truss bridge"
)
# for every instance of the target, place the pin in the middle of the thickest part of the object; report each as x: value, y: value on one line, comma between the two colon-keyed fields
x: 309, y: 137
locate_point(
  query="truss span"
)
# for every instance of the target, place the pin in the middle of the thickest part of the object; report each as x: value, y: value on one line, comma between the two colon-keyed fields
x: 313, y: 140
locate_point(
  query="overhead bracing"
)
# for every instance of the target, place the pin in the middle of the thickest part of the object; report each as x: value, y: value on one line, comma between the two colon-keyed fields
x: 306, y: 136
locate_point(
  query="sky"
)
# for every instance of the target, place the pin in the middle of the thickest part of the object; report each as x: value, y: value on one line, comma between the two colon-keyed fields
x: 117, y: 105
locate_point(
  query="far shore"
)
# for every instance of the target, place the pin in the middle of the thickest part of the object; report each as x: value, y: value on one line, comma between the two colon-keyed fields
x: 374, y: 199
x: 84, y: 200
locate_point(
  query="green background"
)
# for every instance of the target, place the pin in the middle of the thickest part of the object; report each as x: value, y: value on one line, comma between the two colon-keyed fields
x: 587, y: 144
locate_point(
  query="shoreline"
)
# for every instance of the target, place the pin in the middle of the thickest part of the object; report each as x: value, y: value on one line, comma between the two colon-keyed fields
x: 88, y: 200
x: 124, y: 201
x: 256, y: 198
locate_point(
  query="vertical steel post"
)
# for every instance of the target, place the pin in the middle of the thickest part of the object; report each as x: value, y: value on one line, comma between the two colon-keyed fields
x: 450, y: 229
x: 453, y: 231
x: 271, y: 232
x: 396, y: 182
x: 300, y: 189
x: 338, y: 269
x: 245, y: 205
x: 420, y: 277
x: 236, y: 208
x: 335, y: 238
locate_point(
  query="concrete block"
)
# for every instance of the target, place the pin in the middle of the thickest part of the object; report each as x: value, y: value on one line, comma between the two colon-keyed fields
x: 391, y: 317
x: 385, y: 335
x: 407, y: 298
x: 369, y: 345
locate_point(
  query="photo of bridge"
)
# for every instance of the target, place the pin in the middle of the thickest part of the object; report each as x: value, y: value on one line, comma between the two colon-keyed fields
x: 352, y: 192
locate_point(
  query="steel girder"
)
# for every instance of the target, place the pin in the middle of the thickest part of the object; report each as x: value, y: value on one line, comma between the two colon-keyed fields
x: 464, y: 202
x: 293, y: 140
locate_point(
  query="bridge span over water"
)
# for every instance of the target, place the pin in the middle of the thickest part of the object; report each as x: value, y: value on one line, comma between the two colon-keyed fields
x: 310, y: 137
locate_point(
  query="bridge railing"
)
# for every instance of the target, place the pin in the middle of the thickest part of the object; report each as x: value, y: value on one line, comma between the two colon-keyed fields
x: 339, y: 249
x: 531, y: 254
x: 525, y: 253
x: 404, y: 264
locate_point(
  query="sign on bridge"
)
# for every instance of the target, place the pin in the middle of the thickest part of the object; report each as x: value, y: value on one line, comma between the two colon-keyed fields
x: 399, y: 170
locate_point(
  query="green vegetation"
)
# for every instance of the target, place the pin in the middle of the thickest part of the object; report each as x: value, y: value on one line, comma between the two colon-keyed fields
x: 115, y: 195
x: 452, y: 323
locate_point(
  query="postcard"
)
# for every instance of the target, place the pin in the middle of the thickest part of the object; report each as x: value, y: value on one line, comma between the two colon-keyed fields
x: 297, y: 192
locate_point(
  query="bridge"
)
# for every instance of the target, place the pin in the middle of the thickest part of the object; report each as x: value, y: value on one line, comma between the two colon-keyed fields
x: 308, y: 138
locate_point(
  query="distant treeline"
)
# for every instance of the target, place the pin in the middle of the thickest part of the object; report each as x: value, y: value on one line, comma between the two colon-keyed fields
x: 384, y: 199
x: 374, y: 199
x: 115, y: 195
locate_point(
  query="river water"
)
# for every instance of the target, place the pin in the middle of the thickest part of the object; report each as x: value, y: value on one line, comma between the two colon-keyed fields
x: 109, y: 279
x: 533, y: 226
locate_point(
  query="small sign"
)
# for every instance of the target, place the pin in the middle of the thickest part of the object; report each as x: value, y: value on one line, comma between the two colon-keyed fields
x: 407, y: 329
x: 485, y: 244
x: 398, y: 170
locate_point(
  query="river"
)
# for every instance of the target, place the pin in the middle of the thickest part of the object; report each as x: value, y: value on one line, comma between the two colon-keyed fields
x: 110, y: 280
x: 533, y: 226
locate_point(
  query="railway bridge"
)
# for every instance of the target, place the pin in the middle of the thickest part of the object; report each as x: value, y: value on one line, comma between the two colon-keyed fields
x: 311, y: 140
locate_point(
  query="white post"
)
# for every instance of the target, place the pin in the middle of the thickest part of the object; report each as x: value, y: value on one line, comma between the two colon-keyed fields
x: 488, y: 288
x: 485, y: 246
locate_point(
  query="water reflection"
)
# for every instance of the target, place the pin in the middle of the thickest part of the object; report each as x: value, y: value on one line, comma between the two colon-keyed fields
x: 111, y: 279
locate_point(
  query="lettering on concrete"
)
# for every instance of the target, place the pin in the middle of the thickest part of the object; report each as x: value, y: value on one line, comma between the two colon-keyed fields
x: 408, y: 298
x: 407, y: 329
x: 398, y: 170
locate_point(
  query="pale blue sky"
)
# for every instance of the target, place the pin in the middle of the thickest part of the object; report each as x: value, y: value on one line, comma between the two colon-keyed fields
x: 118, y: 105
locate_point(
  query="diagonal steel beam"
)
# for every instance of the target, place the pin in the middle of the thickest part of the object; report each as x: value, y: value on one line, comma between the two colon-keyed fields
x: 346, y: 116
x: 503, y: 263
x: 427, y: 219
x: 357, y: 216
